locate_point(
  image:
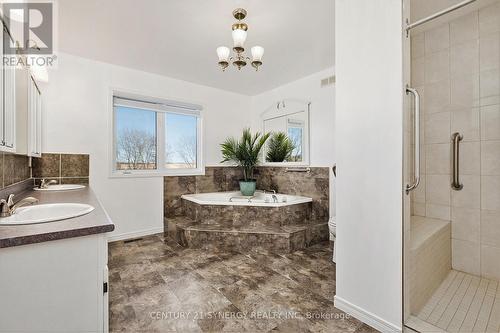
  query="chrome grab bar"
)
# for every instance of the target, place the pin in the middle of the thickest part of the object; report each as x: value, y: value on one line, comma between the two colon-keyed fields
x: 455, y: 184
x: 416, y: 180
x: 438, y: 14
x: 249, y: 199
x: 298, y: 169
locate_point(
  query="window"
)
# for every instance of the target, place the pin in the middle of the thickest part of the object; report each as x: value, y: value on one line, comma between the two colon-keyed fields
x: 136, y: 137
x: 296, y: 135
x: 152, y: 136
x: 180, y: 141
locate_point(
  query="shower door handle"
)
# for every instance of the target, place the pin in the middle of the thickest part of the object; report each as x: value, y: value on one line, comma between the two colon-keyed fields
x: 455, y: 184
x: 416, y: 159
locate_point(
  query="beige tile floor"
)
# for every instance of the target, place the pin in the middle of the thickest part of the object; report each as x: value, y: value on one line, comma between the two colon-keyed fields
x: 462, y: 303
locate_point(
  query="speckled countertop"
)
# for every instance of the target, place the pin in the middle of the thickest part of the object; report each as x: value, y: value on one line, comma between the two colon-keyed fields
x: 95, y: 222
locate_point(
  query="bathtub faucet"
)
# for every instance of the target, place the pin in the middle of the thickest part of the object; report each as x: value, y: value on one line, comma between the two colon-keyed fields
x: 270, y: 191
x: 273, y: 196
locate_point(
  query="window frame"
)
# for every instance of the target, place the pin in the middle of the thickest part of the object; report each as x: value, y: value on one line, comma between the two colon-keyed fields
x: 164, y: 106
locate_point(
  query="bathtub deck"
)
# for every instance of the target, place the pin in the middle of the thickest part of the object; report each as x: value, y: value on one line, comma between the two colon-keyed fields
x: 463, y: 303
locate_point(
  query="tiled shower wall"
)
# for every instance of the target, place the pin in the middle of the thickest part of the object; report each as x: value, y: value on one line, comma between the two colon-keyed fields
x: 456, y: 68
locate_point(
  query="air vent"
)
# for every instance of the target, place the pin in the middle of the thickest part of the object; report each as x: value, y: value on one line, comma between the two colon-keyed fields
x: 327, y: 81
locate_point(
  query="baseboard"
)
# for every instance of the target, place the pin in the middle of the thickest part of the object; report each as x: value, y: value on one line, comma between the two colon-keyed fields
x: 135, y: 234
x: 365, y: 316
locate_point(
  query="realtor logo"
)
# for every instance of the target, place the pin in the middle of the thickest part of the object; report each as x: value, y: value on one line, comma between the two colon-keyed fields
x: 31, y: 28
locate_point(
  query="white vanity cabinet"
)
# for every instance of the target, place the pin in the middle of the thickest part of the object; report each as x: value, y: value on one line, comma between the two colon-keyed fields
x: 28, y: 115
x: 55, y: 286
x: 7, y: 102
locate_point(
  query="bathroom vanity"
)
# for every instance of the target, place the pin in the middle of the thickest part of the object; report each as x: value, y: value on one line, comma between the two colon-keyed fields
x: 53, y: 276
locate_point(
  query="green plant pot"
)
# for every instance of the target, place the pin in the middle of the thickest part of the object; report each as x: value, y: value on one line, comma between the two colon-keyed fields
x: 247, y: 188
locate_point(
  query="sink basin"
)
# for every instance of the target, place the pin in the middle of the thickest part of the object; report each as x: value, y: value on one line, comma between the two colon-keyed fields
x: 64, y: 187
x: 46, y: 213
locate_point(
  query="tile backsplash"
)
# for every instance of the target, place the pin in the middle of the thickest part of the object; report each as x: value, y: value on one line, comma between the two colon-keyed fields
x: 65, y: 168
x: 13, y: 169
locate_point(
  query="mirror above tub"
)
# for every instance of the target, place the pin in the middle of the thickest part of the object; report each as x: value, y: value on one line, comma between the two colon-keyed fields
x: 288, y: 123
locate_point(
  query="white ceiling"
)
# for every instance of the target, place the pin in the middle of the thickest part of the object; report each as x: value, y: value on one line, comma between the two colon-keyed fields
x: 178, y: 38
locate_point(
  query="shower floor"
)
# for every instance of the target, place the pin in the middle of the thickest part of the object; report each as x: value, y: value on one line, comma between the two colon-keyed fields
x: 462, y: 303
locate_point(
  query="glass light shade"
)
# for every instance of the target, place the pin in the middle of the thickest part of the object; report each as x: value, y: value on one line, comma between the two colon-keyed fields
x: 239, y: 37
x: 257, y: 53
x: 223, y: 53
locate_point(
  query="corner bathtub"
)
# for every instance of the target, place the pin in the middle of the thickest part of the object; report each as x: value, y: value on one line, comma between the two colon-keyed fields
x: 231, y: 208
x: 260, y: 199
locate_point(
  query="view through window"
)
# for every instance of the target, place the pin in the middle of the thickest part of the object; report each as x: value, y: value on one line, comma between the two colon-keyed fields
x: 295, y: 134
x: 151, y: 137
x: 135, y: 139
x: 180, y: 141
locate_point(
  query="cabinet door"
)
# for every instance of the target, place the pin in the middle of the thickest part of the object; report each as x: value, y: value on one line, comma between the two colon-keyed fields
x: 38, y: 137
x: 58, y: 287
x: 8, y: 102
x: 9, y: 114
x: 2, y: 71
x: 34, y: 120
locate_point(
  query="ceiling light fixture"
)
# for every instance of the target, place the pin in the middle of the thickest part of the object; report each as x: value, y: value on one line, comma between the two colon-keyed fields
x: 239, y: 38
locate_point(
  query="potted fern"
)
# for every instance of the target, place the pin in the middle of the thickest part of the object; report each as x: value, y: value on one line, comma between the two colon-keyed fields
x: 279, y: 148
x: 246, y: 154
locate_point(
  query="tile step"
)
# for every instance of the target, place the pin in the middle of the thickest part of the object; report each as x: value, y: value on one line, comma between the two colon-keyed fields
x: 283, y: 239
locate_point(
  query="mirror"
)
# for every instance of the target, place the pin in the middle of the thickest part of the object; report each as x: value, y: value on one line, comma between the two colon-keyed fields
x: 288, y: 123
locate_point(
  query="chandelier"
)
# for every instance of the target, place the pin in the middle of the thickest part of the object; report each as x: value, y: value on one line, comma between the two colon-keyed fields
x: 239, y: 37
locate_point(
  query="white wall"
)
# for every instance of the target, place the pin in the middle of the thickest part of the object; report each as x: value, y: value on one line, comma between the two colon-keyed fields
x: 77, y: 120
x: 369, y: 139
x: 76, y: 103
x: 322, y: 117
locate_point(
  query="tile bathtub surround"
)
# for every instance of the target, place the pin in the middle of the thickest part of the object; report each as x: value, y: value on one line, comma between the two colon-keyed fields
x: 65, y: 168
x: 216, y: 237
x: 456, y: 66
x: 282, y: 229
x: 247, y: 215
x: 315, y: 184
x: 218, y: 179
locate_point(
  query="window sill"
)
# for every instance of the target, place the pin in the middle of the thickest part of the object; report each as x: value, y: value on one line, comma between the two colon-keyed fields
x: 159, y: 173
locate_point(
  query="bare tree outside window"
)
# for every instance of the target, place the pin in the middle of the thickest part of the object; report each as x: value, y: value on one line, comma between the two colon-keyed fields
x: 181, y: 141
x: 136, y: 134
x: 136, y: 150
x: 187, y: 151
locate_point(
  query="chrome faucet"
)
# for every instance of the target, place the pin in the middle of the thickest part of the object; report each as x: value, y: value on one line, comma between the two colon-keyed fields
x: 44, y: 183
x: 8, y: 207
x: 275, y: 198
